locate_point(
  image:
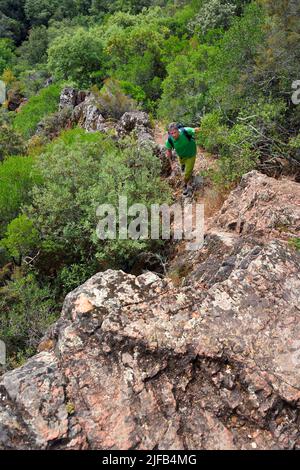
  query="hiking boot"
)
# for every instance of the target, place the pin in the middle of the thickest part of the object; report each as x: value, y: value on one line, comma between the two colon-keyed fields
x: 186, y: 189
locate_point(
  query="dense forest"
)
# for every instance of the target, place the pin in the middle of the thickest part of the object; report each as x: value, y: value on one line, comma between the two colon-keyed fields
x: 228, y: 66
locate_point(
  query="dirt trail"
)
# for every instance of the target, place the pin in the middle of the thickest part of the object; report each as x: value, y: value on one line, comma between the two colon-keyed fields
x: 206, y: 194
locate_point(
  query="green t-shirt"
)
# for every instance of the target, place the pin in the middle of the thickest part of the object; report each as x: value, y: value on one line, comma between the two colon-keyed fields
x: 184, y: 147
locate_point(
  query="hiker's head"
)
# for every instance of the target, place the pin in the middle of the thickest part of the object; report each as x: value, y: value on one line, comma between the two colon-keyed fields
x: 173, y: 130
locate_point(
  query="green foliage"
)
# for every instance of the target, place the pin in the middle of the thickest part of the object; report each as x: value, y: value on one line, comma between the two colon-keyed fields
x: 41, y: 11
x: 11, y: 143
x: 17, y: 177
x: 27, y: 310
x: 80, y: 172
x: 38, y: 107
x: 12, y: 19
x: 112, y: 101
x: 213, y: 14
x: 77, y: 57
x: 295, y: 243
x: 231, y: 68
x: 33, y: 51
x: 184, y: 89
x: 133, y: 91
x: 20, y: 238
x: 135, y: 45
x: 236, y: 147
x: 214, y: 133
x: 72, y: 276
x: 6, y: 54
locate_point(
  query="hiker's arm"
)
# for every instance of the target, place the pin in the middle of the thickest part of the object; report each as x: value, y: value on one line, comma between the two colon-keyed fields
x: 169, y: 155
x: 197, y: 129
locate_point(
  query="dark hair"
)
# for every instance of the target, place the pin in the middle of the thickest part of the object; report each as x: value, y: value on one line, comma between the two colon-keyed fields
x: 172, y: 126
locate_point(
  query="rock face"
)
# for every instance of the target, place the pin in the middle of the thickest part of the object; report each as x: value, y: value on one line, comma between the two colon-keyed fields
x: 70, y: 97
x: 262, y: 206
x: 138, y: 363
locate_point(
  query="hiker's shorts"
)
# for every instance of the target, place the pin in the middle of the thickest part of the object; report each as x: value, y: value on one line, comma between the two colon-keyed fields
x: 188, y: 164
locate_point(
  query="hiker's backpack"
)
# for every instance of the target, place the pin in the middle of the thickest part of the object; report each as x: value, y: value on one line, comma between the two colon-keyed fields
x: 180, y: 127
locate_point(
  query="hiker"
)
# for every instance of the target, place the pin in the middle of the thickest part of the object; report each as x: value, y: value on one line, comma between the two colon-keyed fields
x: 182, y: 139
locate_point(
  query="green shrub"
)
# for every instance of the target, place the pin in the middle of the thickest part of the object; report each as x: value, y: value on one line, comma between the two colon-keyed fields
x: 17, y: 177
x: 81, y: 171
x: 72, y: 276
x: 11, y: 142
x: 20, y: 238
x: 6, y: 54
x: 27, y: 310
x: 38, y: 107
x: 214, y: 132
x: 134, y: 91
x: 295, y: 243
x: 112, y: 101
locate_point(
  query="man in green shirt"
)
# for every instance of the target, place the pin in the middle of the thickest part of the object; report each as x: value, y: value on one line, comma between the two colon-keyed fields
x: 183, y: 141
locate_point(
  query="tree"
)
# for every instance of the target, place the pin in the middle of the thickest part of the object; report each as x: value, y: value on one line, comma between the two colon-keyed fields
x: 76, y: 57
x: 231, y: 70
x: 12, y: 20
x: 213, y: 14
x: 135, y: 45
x: 33, y: 51
x: 184, y: 89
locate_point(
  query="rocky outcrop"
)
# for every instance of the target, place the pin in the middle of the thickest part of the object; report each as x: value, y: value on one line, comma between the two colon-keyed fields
x: 87, y: 112
x: 15, y: 99
x: 262, y: 206
x: 70, y: 97
x: 139, y: 363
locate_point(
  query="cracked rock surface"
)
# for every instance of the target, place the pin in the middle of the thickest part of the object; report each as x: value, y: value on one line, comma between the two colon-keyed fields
x: 138, y: 363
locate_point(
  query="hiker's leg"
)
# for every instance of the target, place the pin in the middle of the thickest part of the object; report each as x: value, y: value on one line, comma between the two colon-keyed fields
x: 182, y: 164
x: 189, y: 166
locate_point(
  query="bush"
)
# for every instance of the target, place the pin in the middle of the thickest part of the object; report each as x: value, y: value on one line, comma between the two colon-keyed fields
x: 20, y: 239
x: 112, y: 101
x: 213, y: 133
x: 27, y: 310
x: 39, y: 106
x: 17, y: 177
x: 236, y: 146
x: 80, y: 172
x: 6, y: 54
x: 11, y: 143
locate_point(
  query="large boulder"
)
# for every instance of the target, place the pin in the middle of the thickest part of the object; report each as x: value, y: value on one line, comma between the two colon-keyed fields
x: 135, y: 362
